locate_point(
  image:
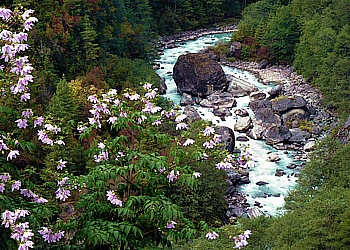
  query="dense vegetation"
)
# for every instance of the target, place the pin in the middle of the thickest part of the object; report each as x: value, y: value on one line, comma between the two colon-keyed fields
x: 313, y: 36
x: 91, y: 155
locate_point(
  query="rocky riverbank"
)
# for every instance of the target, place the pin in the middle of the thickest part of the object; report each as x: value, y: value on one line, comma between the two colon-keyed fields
x: 167, y: 42
x: 292, y: 102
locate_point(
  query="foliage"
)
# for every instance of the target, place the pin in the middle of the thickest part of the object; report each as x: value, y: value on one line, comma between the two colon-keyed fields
x: 311, y: 35
x: 120, y: 197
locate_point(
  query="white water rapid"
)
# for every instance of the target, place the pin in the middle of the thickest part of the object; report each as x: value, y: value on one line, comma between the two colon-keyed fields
x: 271, y: 196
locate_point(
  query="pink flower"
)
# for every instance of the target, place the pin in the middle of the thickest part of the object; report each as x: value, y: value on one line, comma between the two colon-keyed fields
x: 3, y: 145
x: 112, y: 197
x: 171, y: 224
x: 211, y: 235
x: 16, y: 185
x: 62, y: 194
x: 181, y: 125
x: 61, y: 164
x: 5, y: 14
x: 208, y: 144
x: 26, y: 14
x: 197, y: 174
x: 180, y: 118
x: 22, y: 123
x: 150, y: 95
x: 25, y: 97
x: 29, y: 23
x: 12, y: 154
x: 224, y: 165
x: 156, y: 122
x: 147, y: 86
x: 172, y: 176
x: 188, y: 142
x: 208, y: 131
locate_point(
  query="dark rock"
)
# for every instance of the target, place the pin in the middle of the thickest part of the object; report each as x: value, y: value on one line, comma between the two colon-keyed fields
x: 244, y: 180
x: 254, y: 96
x: 260, y: 104
x: 279, y: 172
x: 299, y: 135
x: 222, y: 112
x: 231, y: 190
x: 261, y: 183
x: 276, y: 134
x: 283, y: 105
x: 163, y: 88
x: 242, y: 138
x: 235, y: 178
x: 186, y: 99
x: 237, y: 211
x: 263, y: 64
x: 241, y: 112
x: 291, y: 166
x: 228, y: 137
x: 198, y: 75
x: 219, y: 100
x: 297, y: 175
x: 275, y: 91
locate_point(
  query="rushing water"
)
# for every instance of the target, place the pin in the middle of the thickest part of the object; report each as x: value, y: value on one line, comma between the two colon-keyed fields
x: 271, y: 196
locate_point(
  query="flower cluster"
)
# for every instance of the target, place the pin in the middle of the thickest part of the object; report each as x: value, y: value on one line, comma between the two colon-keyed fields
x: 15, y: 185
x: 246, y: 159
x: 63, y: 191
x: 172, y: 176
x: 20, y: 232
x: 241, y: 240
x: 49, y: 236
x: 112, y: 197
x: 14, y: 42
x: 212, y: 142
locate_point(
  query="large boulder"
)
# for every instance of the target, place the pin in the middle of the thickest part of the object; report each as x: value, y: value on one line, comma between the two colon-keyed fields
x: 228, y: 137
x: 198, y: 75
x: 243, y: 124
x: 285, y: 104
x: 277, y: 134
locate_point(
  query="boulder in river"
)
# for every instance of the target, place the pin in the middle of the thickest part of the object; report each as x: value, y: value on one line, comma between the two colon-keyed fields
x: 198, y: 75
x: 219, y: 100
x: 243, y: 124
x: 228, y: 137
x: 186, y: 99
x: 276, y: 134
x: 284, y: 104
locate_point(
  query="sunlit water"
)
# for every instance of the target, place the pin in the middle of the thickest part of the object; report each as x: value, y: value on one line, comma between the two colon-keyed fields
x: 264, y: 170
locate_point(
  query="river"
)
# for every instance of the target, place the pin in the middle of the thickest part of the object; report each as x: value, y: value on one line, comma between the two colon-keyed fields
x: 271, y: 196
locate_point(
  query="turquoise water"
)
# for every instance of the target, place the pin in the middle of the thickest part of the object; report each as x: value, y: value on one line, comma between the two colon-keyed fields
x: 264, y: 170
